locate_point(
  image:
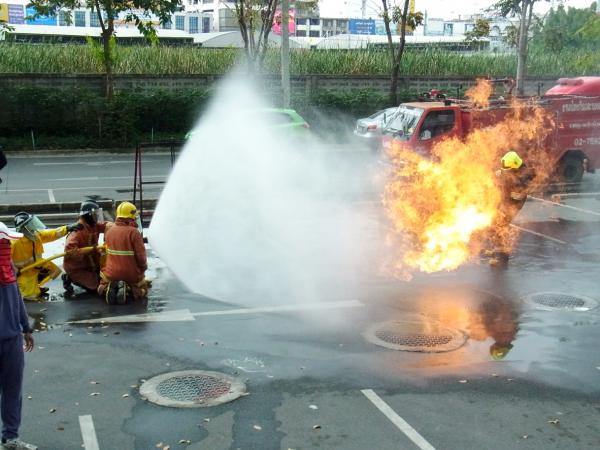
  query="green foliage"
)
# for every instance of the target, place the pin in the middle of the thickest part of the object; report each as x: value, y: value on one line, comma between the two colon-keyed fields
x: 83, y: 118
x: 569, y: 28
x: 97, y: 50
x: 481, y: 29
x: 164, y: 60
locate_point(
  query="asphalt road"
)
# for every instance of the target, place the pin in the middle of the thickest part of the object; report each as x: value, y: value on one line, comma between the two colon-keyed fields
x: 53, y: 178
x: 315, y: 381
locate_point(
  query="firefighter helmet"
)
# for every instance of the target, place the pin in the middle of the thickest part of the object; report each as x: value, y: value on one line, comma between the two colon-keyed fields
x: 126, y: 210
x: 511, y: 160
x: 91, y: 212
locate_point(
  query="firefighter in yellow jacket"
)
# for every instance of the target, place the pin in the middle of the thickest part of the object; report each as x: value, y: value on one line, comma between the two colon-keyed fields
x: 29, y: 249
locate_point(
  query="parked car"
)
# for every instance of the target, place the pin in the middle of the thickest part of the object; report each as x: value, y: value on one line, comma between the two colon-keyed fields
x: 370, y: 127
x: 286, y: 119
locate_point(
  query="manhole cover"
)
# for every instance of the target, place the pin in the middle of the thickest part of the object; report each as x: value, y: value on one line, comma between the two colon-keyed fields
x: 416, y: 334
x: 561, y: 301
x: 192, y: 389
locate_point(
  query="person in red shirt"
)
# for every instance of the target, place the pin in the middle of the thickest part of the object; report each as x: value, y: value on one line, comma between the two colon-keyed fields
x: 83, y: 268
x: 15, y: 337
x: 122, y: 278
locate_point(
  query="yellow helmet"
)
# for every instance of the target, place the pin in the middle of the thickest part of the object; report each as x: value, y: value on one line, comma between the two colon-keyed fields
x: 126, y: 210
x: 499, y: 351
x: 511, y: 160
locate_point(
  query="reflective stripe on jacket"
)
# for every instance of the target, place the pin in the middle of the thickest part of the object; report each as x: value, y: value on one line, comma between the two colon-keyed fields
x: 125, y: 252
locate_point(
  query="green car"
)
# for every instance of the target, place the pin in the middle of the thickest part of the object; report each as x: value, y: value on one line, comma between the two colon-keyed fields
x: 278, y: 118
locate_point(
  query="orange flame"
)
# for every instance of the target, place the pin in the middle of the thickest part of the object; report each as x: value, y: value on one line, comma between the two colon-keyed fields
x: 441, y: 207
x: 480, y: 93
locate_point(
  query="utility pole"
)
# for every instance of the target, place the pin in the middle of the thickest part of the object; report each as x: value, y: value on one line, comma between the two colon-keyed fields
x: 285, y: 53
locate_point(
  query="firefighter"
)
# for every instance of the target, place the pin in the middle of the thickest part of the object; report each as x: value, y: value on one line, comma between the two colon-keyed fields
x: 122, y: 278
x: 29, y: 249
x: 513, y: 179
x: 83, y: 269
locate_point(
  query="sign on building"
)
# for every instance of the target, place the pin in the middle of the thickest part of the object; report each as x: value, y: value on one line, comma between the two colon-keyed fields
x: 16, y: 14
x: 361, y: 26
x: 40, y: 20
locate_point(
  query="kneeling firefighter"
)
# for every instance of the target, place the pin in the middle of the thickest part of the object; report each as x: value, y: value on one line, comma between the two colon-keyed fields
x: 83, y: 268
x: 29, y: 249
x: 513, y: 180
x: 122, y: 278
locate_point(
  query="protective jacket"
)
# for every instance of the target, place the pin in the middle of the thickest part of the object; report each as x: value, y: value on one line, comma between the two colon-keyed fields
x: 25, y: 252
x: 125, y: 252
x: 83, y: 268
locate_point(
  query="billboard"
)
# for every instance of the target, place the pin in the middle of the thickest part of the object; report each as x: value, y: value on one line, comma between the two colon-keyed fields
x: 16, y: 14
x: 291, y: 23
x: 41, y: 20
x: 361, y: 26
x: 380, y: 27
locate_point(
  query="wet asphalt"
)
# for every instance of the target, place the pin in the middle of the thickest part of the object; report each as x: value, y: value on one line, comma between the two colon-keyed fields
x: 305, y: 371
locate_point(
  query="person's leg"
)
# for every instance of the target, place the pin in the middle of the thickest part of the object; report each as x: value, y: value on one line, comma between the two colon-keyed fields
x: 12, y: 362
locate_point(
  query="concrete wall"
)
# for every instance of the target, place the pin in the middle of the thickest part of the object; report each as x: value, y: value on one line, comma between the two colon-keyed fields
x: 300, y: 84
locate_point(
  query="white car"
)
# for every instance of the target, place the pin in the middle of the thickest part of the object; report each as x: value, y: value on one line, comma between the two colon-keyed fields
x: 370, y: 127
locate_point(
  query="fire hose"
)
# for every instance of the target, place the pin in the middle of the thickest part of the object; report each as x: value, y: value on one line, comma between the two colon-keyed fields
x: 81, y: 250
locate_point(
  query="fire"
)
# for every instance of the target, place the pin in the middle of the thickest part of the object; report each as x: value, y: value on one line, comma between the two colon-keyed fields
x: 440, y: 207
x: 480, y: 93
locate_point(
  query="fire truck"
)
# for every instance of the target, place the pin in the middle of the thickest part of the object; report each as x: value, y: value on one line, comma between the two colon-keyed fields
x: 572, y: 147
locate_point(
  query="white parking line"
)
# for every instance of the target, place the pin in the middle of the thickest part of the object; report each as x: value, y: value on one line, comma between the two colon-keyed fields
x: 51, y: 196
x: 402, y: 424
x: 88, y: 433
x: 535, y: 233
x: 548, y: 202
x: 184, y: 315
x: 283, y: 308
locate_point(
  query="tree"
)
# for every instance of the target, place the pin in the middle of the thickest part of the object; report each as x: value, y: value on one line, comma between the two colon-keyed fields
x: 107, y: 11
x: 255, y: 19
x: 403, y: 18
x: 566, y: 28
x: 523, y: 9
x: 481, y: 29
x: 511, y: 36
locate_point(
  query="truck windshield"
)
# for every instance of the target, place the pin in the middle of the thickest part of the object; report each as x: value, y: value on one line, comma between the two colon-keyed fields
x: 404, y: 121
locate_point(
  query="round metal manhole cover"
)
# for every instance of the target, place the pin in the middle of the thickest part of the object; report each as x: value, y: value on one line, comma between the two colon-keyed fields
x: 417, y: 334
x: 561, y: 301
x: 192, y: 389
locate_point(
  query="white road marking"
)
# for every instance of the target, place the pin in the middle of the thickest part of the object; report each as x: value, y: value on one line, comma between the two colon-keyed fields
x: 102, y: 178
x: 88, y: 433
x: 586, y: 211
x: 402, y: 424
x: 83, y: 163
x: 178, y: 315
x: 184, y: 315
x: 51, y: 196
x: 283, y: 308
x: 535, y: 233
x: 77, y: 188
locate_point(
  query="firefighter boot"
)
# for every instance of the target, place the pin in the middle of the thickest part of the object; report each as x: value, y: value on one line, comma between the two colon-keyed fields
x: 500, y: 260
x: 67, y: 285
x: 112, y: 292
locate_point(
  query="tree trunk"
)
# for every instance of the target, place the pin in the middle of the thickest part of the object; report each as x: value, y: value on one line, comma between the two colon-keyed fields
x: 395, y: 67
x: 526, y: 11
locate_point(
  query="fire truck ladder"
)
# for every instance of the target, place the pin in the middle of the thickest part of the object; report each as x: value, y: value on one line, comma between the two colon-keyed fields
x: 138, y: 179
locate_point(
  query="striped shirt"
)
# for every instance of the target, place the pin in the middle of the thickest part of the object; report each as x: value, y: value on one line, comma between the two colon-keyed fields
x: 7, y: 274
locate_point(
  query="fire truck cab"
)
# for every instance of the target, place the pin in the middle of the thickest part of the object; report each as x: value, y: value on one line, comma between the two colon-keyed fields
x: 573, y: 106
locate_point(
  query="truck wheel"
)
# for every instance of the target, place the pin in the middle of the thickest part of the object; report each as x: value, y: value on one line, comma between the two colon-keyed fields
x: 571, y: 169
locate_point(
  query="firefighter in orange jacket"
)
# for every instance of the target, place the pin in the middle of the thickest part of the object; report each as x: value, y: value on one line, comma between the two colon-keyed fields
x: 30, y: 249
x: 513, y: 180
x: 83, y: 269
x: 122, y: 278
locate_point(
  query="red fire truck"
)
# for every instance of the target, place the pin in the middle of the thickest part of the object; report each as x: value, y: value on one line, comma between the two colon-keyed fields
x: 573, y: 146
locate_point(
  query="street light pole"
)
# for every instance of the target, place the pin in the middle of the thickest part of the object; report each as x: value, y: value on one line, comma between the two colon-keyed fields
x: 285, y: 53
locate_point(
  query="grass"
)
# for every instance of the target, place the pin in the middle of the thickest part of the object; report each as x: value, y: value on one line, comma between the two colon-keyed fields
x: 163, y: 60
